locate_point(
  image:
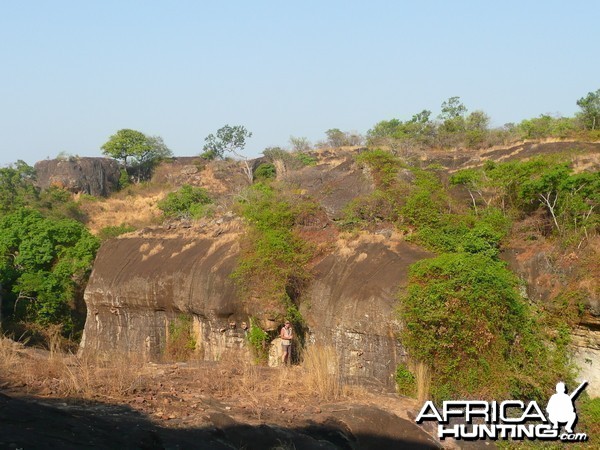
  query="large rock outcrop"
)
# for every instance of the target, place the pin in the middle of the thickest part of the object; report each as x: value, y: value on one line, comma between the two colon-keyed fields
x: 93, y: 176
x: 352, y: 301
x: 548, y: 274
x: 141, y: 283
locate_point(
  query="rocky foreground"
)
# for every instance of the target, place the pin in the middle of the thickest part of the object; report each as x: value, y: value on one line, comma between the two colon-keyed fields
x: 205, y: 406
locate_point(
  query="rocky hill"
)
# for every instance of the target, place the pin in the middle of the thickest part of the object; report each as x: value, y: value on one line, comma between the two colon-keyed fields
x: 143, y: 281
x: 181, y: 347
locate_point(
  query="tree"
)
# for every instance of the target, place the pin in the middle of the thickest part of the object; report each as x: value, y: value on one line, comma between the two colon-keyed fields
x: 476, y: 125
x: 385, y: 129
x: 590, y: 109
x: 148, y: 156
x: 300, y: 144
x: 452, y: 115
x: 142, y: 151
x: 335, y: 137
x: 125, y: 144
x: 230, y: 139
x: 16, y: 186
x: 44, y: 263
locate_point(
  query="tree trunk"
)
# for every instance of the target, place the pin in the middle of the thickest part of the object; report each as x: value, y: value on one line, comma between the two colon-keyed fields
x: 551, y: 207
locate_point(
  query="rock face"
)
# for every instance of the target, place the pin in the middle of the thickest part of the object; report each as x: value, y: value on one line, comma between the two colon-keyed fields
x: 93, y: 176
x: 352, y: 301
x: 546, y: 276
x: 141, y: 284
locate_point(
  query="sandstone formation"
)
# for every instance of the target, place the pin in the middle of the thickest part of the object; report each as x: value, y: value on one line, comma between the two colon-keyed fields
x: 93, y: 176
x: 140, y: 284
x: 352, y: 301
x: 545, y: 278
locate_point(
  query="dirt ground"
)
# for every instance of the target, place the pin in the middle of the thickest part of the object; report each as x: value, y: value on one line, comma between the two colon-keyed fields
x: 198, y: 405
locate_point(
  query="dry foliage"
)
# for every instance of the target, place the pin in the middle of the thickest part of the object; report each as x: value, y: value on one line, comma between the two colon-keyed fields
x: 135, y: 206
x: 66, y: 375
x: 321, y: 372
x: 262, y: 392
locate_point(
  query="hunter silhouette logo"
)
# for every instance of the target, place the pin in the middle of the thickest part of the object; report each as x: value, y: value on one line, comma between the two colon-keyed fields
x: 510, y: 419
x: 560, y: 407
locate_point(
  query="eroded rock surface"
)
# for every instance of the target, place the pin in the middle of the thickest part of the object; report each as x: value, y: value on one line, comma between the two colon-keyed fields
x: 142, y: 283
x: 93, y: 176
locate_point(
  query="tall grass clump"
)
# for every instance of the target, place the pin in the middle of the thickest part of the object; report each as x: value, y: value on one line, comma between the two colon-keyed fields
x: 322, y: 375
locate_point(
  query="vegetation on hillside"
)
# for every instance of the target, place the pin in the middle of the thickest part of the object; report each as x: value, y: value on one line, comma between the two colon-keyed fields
x: 44, y: 263
x: 187, y: 202
x: 138, y: 153
x: 272, y: 270
x: 456, y: 127
x: 465, y: 318
x: 45, y: 253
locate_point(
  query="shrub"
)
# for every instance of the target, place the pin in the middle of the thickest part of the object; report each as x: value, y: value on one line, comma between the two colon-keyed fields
x: 187, y: 201
x: 124, y: 179
x: 589, y: 414
x: 465, y: 319
x: 305, y: 159
x: 258, y: 338
x: 44, y: 263
x: 273, y: 262
x: 405, y: 381
x: 181, y: 342
x: 384, y: 166
x: 265, y: 171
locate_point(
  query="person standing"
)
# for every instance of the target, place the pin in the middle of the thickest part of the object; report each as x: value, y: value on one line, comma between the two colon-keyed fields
x: 286, y: 336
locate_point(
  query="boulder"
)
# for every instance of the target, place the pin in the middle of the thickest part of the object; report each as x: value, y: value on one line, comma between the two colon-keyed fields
x: 93, y: 176
x: 141, y: 284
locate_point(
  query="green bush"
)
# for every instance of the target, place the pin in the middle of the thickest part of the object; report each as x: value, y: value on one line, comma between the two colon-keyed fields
x: 181, y: 342
x: 465, y: 319
x: 188, y: 201
x: 405, y: 381
x: 265, y: 171
x: 383, y: 164
x: 305, y: 159
x: 427, y: 200
x: 589, y: 415
x: 124, y: 179
x: 44, y: 263
x: 466, y: 233
x: 273, y: 262
x: 258, y: 339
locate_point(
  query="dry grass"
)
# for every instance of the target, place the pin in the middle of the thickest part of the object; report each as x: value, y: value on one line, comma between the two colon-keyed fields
x: 65, y: 375
x: 262, y: 392
x: 423, y: 380
x: 135, y: 206
x: 322, y: 375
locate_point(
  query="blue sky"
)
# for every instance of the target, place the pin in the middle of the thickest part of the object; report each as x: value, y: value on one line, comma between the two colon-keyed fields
x: 74, y: 72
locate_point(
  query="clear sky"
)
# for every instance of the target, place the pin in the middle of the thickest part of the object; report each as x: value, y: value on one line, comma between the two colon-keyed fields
x: 74, y: 72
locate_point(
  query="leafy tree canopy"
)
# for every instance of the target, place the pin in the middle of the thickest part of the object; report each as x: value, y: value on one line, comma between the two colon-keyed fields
x: 136, y: 150
x: 590, y: 109
x: 43, y: 263
x: 227, y: 139
x: 16, y: 186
